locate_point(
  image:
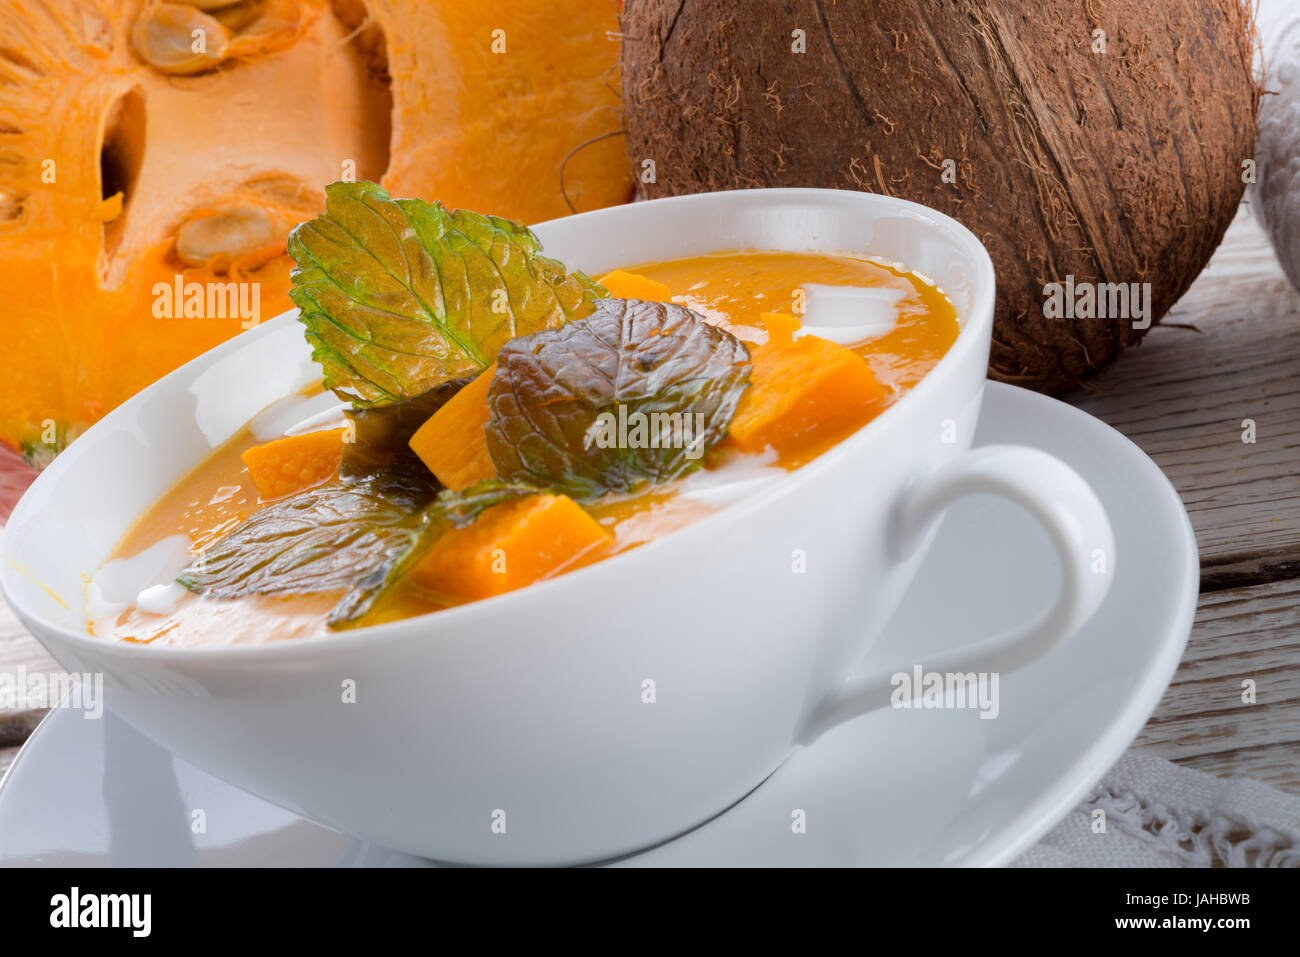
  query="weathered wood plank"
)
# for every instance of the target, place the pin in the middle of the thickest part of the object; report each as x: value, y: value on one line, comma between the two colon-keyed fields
x: 1274, y: 766
x: 1250, y: 726
x: 17, y: 724
x: 17, y: 647
x: 1246, y: 620
x: 1184, y: 394
x: 7, y: 756
x: 20, y: 654
x: 1202, y: 721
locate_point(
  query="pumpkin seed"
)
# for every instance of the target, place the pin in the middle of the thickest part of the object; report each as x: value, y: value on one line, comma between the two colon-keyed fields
x: 178, y: 38
x: 226, y: 235
x: 11, y: 205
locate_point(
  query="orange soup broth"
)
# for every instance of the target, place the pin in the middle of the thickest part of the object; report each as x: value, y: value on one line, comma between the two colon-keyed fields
x: 729, y: 289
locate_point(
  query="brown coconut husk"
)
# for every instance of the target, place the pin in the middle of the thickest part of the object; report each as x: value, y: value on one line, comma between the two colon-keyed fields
x: 1120, y: 166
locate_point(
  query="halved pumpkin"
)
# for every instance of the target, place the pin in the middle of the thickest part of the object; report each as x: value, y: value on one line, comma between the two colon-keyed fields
x: 153, y: 157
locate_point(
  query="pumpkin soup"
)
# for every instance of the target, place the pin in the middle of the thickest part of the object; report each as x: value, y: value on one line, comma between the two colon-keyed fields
x: 500, y: 420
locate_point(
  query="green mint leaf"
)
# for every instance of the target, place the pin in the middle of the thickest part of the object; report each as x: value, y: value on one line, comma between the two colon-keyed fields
x: 450, y: 510
x: 633, y: 394
x: 400, y: 296
x: 350, y: 536
x: 464, y: 507
x: 358, y: 537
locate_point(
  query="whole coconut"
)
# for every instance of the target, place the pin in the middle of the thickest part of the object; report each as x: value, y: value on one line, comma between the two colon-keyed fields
x: 1102, y: 140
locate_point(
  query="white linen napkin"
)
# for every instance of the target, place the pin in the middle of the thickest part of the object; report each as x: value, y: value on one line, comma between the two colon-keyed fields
x: 1147, y: 812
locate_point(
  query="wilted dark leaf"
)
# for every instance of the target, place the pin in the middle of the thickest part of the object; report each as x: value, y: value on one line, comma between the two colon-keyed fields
x: 633, y: 394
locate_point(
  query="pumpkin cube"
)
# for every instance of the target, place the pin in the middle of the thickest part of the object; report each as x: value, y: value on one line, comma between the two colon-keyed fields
x: 804, y: 391
x: 453, y: 443
x: 294, y: 462
x: 629, y: 285
x: 509, y: 546
x: 780, y: 326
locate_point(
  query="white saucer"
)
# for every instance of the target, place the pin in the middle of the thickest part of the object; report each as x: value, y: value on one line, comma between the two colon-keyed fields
x: 890, y: 788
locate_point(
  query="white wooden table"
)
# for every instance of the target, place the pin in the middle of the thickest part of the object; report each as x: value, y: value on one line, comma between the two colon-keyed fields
x: 1230, y: 351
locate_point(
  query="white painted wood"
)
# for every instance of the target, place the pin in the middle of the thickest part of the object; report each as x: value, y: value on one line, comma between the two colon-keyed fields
x: 1202, y: 722
x: 1183, y: 394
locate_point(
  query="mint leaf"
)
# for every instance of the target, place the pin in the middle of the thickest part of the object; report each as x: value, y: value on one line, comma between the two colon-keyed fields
x: 350, y: 536
x: 464, y: 507
x: 450, y: 510
x: 357, y: 537
x: 400, y: 296
x: 633, y: 394
x: 381, y: 436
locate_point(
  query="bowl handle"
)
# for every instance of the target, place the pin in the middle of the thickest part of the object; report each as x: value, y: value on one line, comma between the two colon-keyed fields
x: 1063, y: 503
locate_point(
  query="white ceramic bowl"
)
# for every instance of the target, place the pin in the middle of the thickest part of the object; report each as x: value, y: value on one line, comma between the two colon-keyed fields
x: 514, y: 730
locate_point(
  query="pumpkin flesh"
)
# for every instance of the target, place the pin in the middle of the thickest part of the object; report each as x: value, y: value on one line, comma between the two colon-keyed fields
x: 113, y: 171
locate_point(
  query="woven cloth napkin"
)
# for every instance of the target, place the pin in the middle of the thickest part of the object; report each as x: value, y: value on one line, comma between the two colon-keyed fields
x: 1147, y: 812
